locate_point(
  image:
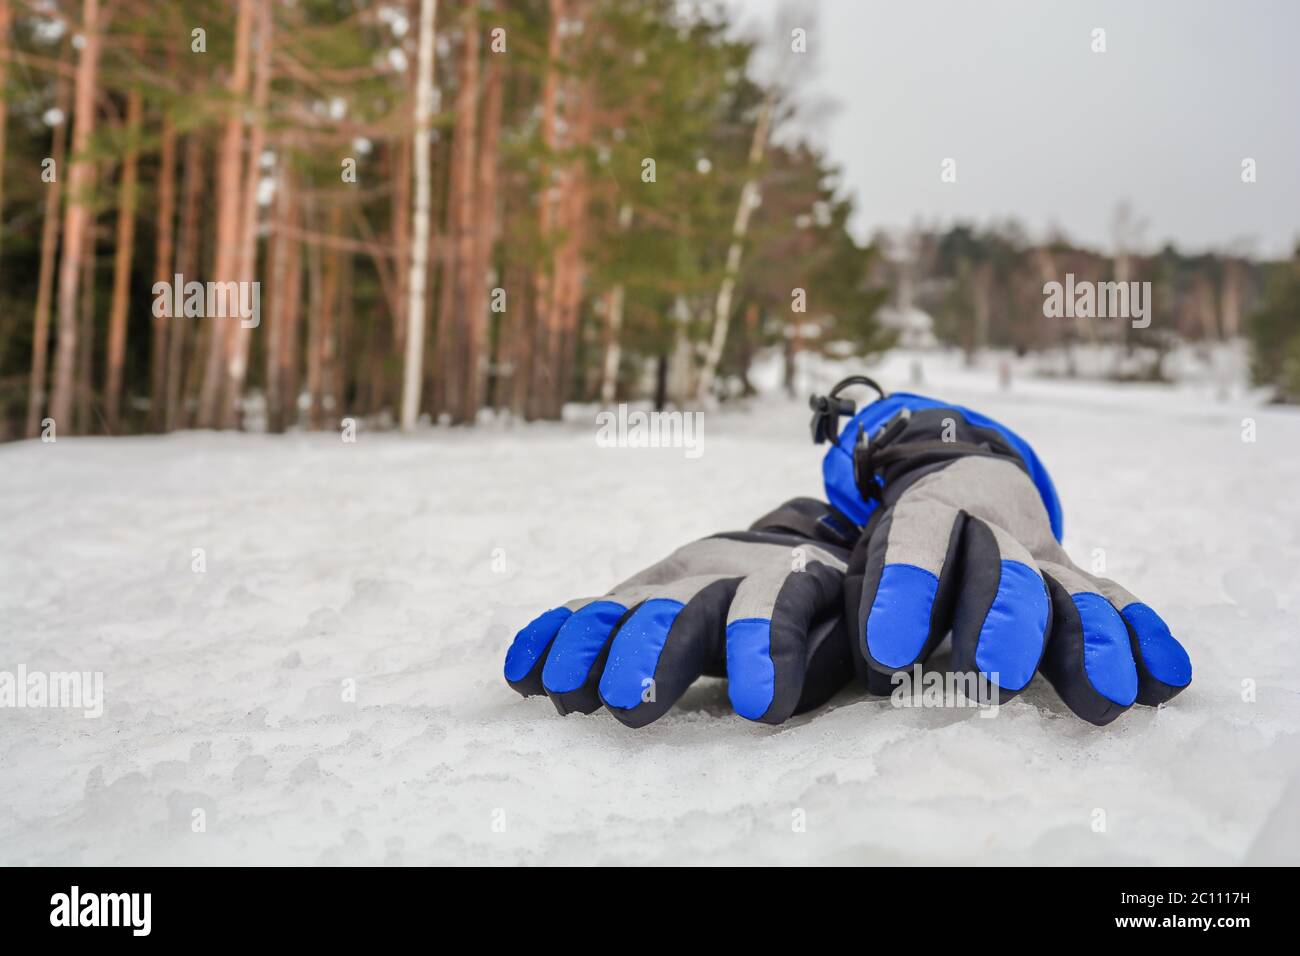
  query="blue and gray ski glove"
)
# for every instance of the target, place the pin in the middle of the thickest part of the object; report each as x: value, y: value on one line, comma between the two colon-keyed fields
x: 962, y: 536
x: 763, y: 607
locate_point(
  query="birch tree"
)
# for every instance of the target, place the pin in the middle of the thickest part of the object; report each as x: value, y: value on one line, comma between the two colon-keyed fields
x: 749, y: 199
x: 240, y: 332
x: 420, y: 213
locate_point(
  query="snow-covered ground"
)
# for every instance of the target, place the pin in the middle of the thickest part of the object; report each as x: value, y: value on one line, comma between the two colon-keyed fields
x: 402, y: 566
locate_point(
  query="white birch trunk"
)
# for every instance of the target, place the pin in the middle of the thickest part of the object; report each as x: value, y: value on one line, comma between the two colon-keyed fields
x: 722, y: 307
x: 414, y: 366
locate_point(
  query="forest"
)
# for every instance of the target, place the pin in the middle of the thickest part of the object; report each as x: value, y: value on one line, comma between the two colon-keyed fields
x: 986, y: 286
x: 440, y: 210
x: 273, y: 214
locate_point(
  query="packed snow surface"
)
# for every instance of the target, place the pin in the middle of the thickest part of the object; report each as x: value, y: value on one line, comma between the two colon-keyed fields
x: 322, y: 680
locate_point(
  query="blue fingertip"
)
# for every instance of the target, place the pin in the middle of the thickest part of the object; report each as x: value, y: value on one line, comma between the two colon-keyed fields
x: 899, y: 621
x: 578, y: 644
x: 751, y: 675
x: 634, y: 655
x: 1107, y: 656
x: 531, y: 643
x: 1011, y: 638
x: 1165, y: 658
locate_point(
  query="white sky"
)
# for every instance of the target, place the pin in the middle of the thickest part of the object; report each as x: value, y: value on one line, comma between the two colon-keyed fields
x: 1047, y: 131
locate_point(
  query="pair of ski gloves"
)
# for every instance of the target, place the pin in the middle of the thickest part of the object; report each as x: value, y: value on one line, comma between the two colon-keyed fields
x: 940, y: 521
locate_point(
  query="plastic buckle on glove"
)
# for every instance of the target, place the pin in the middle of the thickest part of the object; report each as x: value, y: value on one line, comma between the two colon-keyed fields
x: 827, y: 409
x: 864, y: 468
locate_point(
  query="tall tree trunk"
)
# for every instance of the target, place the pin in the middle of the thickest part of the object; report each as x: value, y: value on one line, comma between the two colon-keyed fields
x: 45, y: 279
x: 570, y: 262
x: 400, y: 164
x: 290, y: 363
x: 5, y: 17
x: 562, y: 274
x: 544, y: 347
x: 413, y: 370
x: 661, y: 382
x: 281, y: 240
x: 187, y: 264
x: 123, y: 254
x: 722, y: 306
x: 324, y: 395
x: 226, y: 259
x: 747, y: 359
x: 459, y: 246
x: 164, y: 241
x: 239, y: 333
x: 85, y: 388
x: 613, y: 348
x: 315, y: 340
x: 485, y: 233
x: 614, y: 325
x: 341, y: 342
x: 515, y: 336
x: 438, y: 246
x: 76, y: 215
x: 793, y: 346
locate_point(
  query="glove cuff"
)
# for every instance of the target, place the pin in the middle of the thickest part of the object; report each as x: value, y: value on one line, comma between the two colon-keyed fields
x: 911, y: 445
x: 810, y: 518
x: 838, y: 471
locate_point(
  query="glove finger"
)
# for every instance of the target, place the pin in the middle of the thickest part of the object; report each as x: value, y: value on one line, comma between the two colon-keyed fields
x: 661, y: 648
x: 571, y: 648
x: 877, y: 682
x: 571, y: 675
x: 909, y: 583
x: 1089, y: 659
x: 829, y: 659
x: 1163, y: 667
x: 527, y: 653
x: 769, y: 655
x: 576, y: 658
x: 1003, y: 612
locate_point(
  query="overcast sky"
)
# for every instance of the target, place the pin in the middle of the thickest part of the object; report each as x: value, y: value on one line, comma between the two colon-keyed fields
x: 1047, y: 131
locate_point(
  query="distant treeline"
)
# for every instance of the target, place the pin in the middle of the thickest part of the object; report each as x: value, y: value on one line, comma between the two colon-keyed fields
x: 984, y: 287
x: 446, y: 207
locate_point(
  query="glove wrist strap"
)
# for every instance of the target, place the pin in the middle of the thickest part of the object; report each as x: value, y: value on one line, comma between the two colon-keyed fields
x: 810, y: 518
x: 897, y: 450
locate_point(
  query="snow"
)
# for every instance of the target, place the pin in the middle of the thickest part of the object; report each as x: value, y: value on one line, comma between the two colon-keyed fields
x: 405, y: 565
